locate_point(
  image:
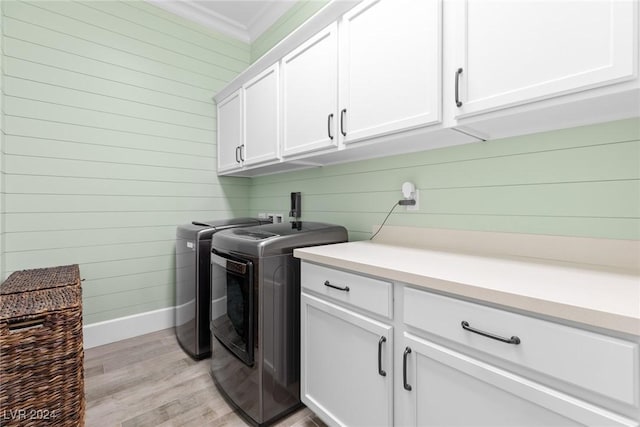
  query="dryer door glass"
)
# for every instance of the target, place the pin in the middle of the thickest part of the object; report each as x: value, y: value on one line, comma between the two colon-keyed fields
x: 232, y: 304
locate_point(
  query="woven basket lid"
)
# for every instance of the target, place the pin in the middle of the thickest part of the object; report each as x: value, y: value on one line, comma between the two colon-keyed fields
x: 25, y: 304
x: 40, y: 278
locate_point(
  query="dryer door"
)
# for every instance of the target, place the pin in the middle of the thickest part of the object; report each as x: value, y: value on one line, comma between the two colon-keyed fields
x: 232, y: 304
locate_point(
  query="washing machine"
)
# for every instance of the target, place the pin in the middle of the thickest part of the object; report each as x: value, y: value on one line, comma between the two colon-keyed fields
x: 193, y: 281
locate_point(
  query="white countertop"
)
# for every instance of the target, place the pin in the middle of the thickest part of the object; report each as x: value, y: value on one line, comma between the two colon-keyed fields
x: 604, y: 298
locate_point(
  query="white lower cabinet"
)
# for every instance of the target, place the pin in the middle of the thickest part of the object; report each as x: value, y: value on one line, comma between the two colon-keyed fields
x: 347, y: 374
x: 448, y: 388
x: 453, y: 362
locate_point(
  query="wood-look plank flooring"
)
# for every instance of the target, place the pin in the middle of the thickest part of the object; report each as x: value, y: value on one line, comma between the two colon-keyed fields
x: 150, y: 381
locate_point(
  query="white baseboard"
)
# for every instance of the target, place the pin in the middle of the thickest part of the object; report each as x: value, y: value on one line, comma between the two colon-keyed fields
x: 122, y: 328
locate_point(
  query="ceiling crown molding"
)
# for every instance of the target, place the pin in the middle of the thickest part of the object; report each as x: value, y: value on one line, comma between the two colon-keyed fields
x: 208, y: 18
x: 270, y: 12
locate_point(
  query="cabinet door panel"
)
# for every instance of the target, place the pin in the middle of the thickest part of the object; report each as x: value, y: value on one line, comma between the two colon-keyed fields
x: 449, y: 388
x: 518, y: 51
x: 390, y: 66
x: 261, y: 117
x: 229, y: 131
x: 310, y: 91
x: 340, y: 379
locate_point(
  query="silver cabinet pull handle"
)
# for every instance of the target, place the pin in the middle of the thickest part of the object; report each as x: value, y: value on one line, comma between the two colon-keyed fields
x: 342, y: 115
x: 237, y: 158
x: 381, y: 372
x: 328, y: 284
x: 242, y: 152
x: 513, y: 340
x: 406, y: 385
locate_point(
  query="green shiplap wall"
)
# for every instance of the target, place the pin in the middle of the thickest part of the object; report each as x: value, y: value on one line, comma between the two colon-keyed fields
x: 574, y: 182
x: 110, y: 142
x: 292, y: 19
x: 2, y: 136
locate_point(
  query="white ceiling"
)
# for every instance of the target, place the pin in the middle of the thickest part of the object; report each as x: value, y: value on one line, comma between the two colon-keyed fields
x: 245, y: 20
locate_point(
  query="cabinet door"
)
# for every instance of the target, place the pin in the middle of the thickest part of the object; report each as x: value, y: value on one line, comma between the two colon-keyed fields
x: 449, y: 388
x: 230, y: 132
x: 261, y: 117
x: 390, y: 67
x: 340, y: 377
x: 517, y: 51
x: 310, y: 91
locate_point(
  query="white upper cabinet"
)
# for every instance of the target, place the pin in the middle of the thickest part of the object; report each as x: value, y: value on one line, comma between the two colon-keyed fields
x: 390, y: 67
x: 513, y: 52
x: 358, y: 71
x: 371, y: 78
x: 249, y: 124
x: 261, y: 117
x: 375, y: 72
x: 310, y: 93
x: 230, y: 132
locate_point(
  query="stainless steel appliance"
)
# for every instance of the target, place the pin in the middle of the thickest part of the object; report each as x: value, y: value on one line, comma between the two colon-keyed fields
x: 255, y: 314
x: 193, y: 281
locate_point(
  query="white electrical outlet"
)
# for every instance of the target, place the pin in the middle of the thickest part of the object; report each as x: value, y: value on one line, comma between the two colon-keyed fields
x: 410, y: 192
x: 416, y: 197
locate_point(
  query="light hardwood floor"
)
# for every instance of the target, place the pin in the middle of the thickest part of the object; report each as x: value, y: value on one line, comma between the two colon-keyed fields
x: 150, y: 381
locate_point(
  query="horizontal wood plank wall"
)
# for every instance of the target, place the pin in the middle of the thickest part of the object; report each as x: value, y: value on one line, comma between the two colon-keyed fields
x: 110, y: 143
x: 2, y: 136
x: 574, y: 182
x: 292, y: 19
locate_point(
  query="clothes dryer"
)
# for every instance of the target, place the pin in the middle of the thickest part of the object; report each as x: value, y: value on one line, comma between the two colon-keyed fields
x: 255, y: 314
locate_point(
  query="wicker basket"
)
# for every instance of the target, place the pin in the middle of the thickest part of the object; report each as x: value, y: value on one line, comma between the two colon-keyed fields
x: 41, y: 352
x: 41, y: 278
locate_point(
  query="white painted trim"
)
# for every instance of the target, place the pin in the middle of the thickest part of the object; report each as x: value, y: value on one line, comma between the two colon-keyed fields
x: 321, y: 19
x: 113, y: 330
x: 208, y: 18
x: 267, y: 17
x: 270, y: 12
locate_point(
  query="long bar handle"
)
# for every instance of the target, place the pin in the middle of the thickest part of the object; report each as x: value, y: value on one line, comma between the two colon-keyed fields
x: 458, y: 102
x: 237, y: 158
x: 381, y: 372
x: 342, y: 115
x: 329, y: 120
x: 513, y: 340
x: 328, y: 284
x: 407, y: 351
x: 242, y: 152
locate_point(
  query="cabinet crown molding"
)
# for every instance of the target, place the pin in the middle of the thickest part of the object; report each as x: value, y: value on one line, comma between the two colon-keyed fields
x: 325, y: 16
